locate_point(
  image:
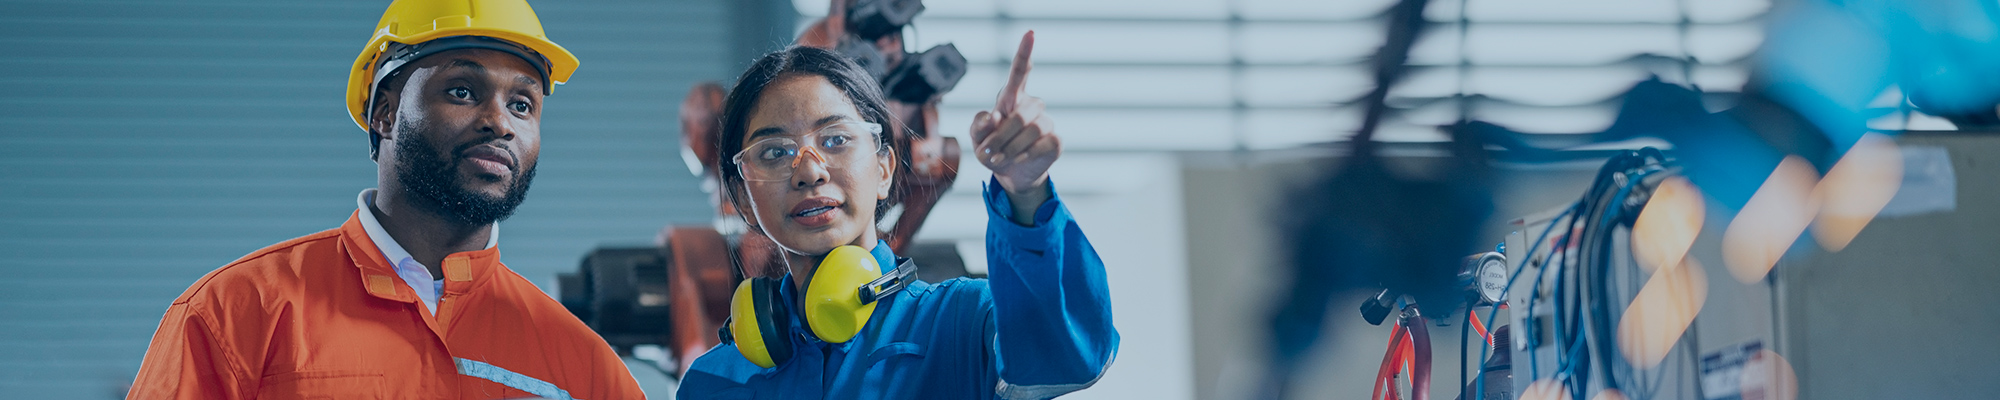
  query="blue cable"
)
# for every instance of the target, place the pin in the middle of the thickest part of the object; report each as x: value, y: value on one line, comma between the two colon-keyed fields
x: 1603, y: 212
x: 1602, y: 324
x: 1595, y: 267
x: 1480, y: 382
x: 1567, y: 365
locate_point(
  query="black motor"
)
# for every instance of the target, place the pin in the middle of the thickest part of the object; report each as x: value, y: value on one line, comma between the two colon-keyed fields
x: 871, y: 19
x: 918, y: 77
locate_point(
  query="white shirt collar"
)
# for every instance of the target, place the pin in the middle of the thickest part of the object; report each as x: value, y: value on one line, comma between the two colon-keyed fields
x: 413, y: 273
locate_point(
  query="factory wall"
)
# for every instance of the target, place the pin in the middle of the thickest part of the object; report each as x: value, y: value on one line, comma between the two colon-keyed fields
x: 1907, y: 311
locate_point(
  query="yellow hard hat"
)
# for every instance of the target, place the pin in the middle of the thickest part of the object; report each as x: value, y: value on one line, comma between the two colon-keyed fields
x: 413, y: 22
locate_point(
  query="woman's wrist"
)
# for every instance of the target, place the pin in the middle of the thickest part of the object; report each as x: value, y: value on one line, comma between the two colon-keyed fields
x: 1026, y: 199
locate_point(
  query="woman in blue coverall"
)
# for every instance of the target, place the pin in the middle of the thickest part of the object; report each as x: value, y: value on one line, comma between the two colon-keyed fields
x: 1038, y: 327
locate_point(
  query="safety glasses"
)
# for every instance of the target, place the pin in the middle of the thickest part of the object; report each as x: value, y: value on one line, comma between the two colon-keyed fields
x: 835, y: 146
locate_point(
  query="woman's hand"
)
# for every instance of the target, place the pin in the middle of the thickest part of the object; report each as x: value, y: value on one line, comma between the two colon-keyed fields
x: 1017, y: 141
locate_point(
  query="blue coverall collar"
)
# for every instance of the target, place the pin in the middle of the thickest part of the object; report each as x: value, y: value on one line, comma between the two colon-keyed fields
x: 884, y: 258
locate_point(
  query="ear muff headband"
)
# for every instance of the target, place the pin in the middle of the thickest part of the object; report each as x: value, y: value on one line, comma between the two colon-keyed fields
x: 889, y: 283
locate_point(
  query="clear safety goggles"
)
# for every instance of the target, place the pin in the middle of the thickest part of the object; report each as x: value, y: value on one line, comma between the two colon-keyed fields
x: 836, y: 146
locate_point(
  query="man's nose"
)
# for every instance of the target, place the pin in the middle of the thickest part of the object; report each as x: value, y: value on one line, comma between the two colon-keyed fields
x: 493, y: 120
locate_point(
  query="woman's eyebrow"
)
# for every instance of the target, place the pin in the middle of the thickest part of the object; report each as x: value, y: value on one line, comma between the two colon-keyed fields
x: 823, y: 121
x: 766, y: 131
x: 776, y: 130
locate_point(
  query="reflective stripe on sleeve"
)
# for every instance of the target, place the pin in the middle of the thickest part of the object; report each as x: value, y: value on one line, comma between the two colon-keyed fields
x: 512, y: 379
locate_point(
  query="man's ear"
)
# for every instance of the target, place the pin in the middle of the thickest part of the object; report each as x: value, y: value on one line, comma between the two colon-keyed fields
x: 382, y: 118
x: 888, y: 163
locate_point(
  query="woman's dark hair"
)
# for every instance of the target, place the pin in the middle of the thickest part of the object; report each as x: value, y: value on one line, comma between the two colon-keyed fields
x: 861, y: 90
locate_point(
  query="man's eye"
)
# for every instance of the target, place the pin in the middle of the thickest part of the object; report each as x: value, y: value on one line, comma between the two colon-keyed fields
x: 519, y: 107
x: 459, y: 92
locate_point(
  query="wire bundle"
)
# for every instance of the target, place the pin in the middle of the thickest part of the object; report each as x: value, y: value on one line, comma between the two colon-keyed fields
x: 1584, y: 314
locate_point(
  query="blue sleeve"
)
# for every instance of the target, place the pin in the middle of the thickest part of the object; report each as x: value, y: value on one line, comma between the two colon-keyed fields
x: 1052, y: 331
x: 719, y: 373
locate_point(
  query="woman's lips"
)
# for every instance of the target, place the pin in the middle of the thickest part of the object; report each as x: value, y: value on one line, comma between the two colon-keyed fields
x: 815, y: 212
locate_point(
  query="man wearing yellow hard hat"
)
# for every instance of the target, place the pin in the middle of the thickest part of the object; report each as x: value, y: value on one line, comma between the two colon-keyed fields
x: 408, y: 298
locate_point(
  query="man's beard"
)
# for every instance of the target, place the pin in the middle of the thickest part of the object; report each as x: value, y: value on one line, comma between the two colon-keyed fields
x: 435, y: 183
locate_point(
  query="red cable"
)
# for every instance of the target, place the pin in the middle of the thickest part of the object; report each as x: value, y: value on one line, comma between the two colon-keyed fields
x: 1420, y: 374
x: 1391, y: 361
x: 1481, y: 328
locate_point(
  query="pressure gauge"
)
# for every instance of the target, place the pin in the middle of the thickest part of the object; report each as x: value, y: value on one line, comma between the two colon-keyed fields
x: 1485, y: 275
x: 1493, y: 277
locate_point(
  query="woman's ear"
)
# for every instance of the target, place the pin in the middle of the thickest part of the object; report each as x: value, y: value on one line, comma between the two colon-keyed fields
x: 888, y: 163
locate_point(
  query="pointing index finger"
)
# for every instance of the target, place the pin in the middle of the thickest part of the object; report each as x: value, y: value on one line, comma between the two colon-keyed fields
x: 1017, y: 76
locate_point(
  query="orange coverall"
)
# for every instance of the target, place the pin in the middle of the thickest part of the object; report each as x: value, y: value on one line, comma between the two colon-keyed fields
x: 325, y: 316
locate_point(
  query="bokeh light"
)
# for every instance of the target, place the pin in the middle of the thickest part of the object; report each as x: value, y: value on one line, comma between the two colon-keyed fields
x: 1661, y: 312
x: 1773, y: 218
x: 1546, y: 389
x: 1666, y: 228
x: 1768, y: 376
x: 1855, y: 189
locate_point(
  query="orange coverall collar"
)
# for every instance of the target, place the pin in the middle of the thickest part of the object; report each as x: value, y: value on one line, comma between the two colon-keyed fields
x: 463, y: 271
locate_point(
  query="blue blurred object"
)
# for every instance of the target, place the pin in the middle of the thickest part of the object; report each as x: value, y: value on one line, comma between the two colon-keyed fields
x: 1824, y: 63
x: 1721, y: 155
x: 1828, y: 59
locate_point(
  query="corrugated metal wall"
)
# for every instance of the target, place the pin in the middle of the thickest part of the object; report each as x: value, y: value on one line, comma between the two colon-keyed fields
x: 145, y: 143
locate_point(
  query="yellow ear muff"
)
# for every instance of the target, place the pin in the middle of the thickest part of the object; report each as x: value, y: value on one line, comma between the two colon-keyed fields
x: 758, y: 322
x: 833, y: 306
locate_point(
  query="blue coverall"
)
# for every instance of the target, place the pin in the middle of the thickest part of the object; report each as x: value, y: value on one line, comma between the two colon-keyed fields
x: 1039, y: 326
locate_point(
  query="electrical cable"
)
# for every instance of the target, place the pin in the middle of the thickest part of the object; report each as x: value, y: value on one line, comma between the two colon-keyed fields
x: 1596, y: 272
x: 1589, y: 205
x: 1464, y: 333
x: 1592, y: 223
x: 1566, y: 298
x: 1591, y: 231
x: 1385, y: 376
x: 1480, y: 329
x: 1541, y: 271
x: 1527, y: 256
x: 1592, y: 277
x: 1606, y: 321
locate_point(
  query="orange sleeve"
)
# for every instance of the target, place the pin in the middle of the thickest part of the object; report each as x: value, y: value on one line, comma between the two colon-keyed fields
x: 621, y: 383
x: 599, y: 368
x: 185, y: 361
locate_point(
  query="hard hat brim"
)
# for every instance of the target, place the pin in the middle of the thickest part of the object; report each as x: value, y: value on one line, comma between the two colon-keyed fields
x: 361, y: 77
